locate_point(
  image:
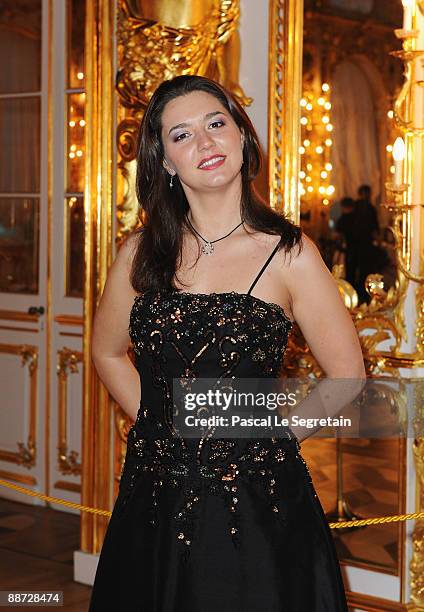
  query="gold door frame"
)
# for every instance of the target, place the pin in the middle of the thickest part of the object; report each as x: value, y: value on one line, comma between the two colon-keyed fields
x: 285, y: 75
x: 99, y: 240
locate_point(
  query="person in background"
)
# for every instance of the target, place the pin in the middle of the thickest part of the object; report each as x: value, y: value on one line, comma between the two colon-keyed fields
x: 345, y: 237
x: 366, y: 231
x: 366, y: 215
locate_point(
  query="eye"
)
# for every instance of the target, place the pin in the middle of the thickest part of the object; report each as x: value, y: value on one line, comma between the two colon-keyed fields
x: 178, y: 138
x: 219, y: 121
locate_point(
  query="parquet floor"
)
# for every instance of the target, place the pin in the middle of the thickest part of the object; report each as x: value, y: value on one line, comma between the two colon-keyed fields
x: 36, y: 553
x: 371, y: 483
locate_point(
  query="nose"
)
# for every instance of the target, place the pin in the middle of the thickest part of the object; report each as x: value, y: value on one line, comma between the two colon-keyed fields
x: 205, y: 141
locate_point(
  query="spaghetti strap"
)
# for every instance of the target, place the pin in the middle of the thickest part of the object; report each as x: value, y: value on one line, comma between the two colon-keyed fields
x: 263, y: 267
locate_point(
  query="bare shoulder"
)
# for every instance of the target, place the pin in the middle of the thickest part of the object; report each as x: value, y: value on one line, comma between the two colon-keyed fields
x: 127, y: 251
x: 305, y: 271
x: 319, y: 310
x: 306, y: 256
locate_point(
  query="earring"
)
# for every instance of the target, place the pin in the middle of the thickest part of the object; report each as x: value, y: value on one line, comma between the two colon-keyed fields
x: 170, y: 182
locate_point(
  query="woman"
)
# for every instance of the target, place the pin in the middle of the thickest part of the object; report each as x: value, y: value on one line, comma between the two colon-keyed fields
x: 204, y: 524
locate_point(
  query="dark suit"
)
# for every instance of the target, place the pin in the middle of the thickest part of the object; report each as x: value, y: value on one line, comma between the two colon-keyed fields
x: 365, y: 231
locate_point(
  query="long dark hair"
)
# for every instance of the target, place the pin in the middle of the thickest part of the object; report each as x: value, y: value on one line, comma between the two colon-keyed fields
x: 163, y: 211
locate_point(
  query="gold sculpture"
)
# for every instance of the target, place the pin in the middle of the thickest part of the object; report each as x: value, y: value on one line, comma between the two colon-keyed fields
x: 164, y: 39
x: 158, y: 41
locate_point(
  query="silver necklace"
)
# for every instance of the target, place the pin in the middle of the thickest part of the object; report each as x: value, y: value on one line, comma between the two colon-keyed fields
x: 207, y: 247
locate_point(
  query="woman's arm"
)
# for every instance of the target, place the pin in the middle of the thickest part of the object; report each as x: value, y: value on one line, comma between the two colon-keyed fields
x: 111, y: 340
x: 328, y: 329
x: 319, y: 310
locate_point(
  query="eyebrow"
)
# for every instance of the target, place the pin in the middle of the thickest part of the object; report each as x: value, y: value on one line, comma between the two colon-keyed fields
x: 207, y: 116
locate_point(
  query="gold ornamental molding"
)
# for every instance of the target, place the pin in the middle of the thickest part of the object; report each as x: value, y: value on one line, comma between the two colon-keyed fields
x: 65, y: 319
x: 67, y: 363
x: 26, y: 456
x: 22, y: 478
x: 374, y: 604
x: 32, y: 330
x: 158, y: 41
x: 74, y: 487
x: 409, y: 56
x: 285, y: 89
x: 419, y: 332
x: 99, y: 211
x: 16, y: 315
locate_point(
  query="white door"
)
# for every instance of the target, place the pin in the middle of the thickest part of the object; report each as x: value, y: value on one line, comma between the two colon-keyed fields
x: 42, y: 157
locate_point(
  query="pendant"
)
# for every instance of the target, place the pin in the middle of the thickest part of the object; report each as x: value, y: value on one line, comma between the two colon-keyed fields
x: 207, y: 248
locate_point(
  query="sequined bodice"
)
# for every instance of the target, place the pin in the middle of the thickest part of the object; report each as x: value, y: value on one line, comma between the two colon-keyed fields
x: 222, y: 334
x: 218, y: 335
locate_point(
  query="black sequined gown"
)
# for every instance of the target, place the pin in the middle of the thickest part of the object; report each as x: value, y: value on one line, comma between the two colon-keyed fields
x: 230, y: 525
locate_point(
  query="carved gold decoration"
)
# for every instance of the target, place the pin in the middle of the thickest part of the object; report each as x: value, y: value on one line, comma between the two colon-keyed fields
x: 156, y: 51
x: 398, y: 213
x: 419, y: 332
x: 285, y: 75
x: 122, y: 426
x: 22, y: 478
x: 401, y: 108
x: 299, y: 362
x: 68, y: 360
x: 158, y: 41
x: 348, y: 293
x: 27, y: 452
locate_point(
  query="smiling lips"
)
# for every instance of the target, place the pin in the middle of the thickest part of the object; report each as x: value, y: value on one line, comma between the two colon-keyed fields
x: 211, y: 163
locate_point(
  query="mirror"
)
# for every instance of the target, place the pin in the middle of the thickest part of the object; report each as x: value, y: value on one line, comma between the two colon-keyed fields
x: 350, y: 82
